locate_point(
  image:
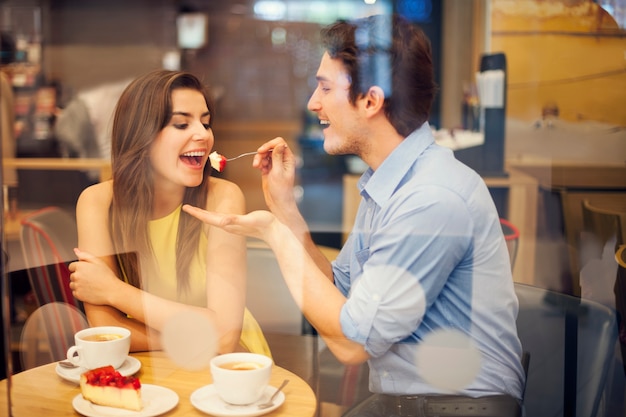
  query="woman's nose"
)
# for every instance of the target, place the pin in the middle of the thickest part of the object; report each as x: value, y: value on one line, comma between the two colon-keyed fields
x: 202, y: 133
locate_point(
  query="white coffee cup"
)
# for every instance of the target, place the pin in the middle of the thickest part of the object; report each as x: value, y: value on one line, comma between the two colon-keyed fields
x: 95, y: 347
x: 241, y: 378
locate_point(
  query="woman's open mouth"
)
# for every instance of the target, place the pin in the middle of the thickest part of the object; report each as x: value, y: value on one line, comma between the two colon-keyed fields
x: 194, y: 158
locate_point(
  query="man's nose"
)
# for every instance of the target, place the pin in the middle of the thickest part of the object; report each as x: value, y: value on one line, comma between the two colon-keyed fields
x: 313, y: 103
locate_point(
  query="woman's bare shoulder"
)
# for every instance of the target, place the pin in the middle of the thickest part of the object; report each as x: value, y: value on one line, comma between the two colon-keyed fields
x: 222, y: 185
x: 225, y: 196
x: 96, y: 196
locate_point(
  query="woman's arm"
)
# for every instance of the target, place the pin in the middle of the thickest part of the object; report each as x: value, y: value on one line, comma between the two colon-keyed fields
x: 226, y: 265
x: 92, y: 217
x: 110, y: 301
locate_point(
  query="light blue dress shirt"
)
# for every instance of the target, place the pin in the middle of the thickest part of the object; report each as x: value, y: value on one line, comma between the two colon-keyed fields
x: 427, y: 252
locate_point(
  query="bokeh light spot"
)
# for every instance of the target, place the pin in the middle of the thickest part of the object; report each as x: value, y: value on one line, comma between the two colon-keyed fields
x: 448, y: 359
x: 190, y: 340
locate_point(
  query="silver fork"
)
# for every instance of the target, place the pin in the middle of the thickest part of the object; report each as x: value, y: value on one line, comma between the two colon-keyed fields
x: 242, y: 155
x: 270, y: 402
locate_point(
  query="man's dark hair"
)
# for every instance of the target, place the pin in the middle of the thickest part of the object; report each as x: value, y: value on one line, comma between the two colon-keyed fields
x: 390, y: 52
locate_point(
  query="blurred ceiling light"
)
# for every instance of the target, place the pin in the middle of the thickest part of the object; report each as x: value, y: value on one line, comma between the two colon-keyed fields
x: 192, y: 30
x: 320, y: 11
x: 279, y: 36
x: 270, y: 9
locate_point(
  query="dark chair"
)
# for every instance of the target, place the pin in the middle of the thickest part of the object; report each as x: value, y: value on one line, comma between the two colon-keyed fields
x: 603, y: 233
x: 571, y: 343
x: 48, y: 237
x: 620, y: 300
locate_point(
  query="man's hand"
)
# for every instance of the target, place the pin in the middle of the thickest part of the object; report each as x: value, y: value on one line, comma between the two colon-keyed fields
x: 278, y: 172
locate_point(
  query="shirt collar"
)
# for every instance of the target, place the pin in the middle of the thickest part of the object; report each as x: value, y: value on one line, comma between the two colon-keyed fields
x: 381, y: 184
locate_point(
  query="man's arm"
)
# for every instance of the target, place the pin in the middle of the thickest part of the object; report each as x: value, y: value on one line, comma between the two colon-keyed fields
x: 278, y: 165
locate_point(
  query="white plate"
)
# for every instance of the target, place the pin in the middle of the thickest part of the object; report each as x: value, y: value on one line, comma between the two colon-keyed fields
x: 156, y: 400
x: 129, y: 367
x: 206, y: 400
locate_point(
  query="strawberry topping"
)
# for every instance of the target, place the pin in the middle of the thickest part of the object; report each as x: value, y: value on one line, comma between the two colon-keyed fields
x: 108, y: 376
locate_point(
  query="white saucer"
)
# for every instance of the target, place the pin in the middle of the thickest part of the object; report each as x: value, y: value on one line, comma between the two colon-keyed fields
x: 156, y: 400
x: 129, y: 367
x: 206, y: 400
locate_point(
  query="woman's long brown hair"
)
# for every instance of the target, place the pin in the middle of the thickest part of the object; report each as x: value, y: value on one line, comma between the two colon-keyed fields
x: 143, y: 110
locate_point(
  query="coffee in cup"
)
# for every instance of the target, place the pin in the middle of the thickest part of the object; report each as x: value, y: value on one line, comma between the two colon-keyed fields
x: 95, y: 347
x: 241, y: 378
x: 242, y: 366
x: 102, y: 337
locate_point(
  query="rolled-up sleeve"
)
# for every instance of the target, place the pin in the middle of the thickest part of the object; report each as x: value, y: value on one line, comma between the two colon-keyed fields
x: 412, y: 247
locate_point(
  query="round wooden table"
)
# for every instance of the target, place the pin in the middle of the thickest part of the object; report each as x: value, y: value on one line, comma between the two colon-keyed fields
x: 41, y: 392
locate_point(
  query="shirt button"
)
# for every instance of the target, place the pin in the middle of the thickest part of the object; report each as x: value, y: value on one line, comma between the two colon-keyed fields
x: 375, y: 297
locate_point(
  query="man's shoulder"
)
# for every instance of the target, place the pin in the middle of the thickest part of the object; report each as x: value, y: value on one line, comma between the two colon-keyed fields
x: 439, y: 167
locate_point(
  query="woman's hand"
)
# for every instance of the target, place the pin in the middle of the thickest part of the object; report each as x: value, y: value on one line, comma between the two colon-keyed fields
x: 91, y: 279
x: 256, y: 224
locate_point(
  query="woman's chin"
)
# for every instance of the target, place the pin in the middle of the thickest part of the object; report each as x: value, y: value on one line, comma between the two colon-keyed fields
x: 193, y: 182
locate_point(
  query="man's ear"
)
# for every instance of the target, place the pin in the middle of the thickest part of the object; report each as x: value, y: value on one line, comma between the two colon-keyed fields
x: 374, y: 100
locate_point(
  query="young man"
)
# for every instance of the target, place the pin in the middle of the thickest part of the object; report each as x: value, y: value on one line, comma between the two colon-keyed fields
x: 427, y: 251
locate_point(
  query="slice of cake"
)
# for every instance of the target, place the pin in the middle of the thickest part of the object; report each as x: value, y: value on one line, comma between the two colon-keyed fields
x: 106, y: 386
x: 218, y: 162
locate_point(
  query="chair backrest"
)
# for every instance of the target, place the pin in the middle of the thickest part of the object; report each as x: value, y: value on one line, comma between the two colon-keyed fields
x: 48, y: 333
x: 48, y: 237
x: 511, y: 236
x: 600, y: 225
x: 571, y: 344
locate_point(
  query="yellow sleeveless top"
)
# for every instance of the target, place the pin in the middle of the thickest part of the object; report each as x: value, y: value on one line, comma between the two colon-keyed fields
x: 163, y: 233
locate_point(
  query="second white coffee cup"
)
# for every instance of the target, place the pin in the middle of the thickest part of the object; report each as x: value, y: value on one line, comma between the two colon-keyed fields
x: 241, y: 378
x: 95, y: 347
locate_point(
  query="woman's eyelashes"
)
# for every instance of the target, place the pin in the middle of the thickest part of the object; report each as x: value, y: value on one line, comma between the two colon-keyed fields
x: 183, y: 126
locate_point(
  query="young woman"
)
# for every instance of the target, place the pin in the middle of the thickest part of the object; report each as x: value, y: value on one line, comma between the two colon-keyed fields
x: 141, y: 260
